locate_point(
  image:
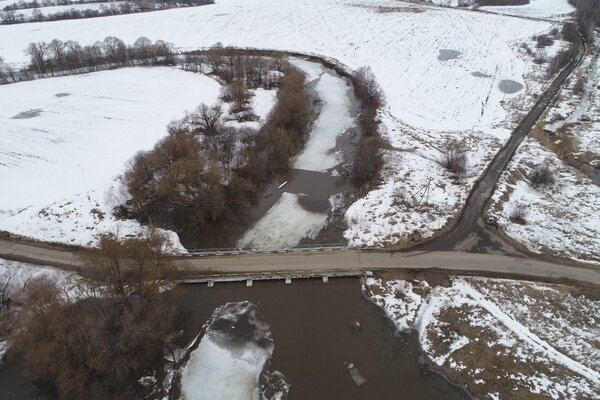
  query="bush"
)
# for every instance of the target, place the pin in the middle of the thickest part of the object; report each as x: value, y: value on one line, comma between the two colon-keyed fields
x: 97, y: 346
x: 541, y: 175
x: 455, y: 157
x: 544, y: 41
x: 518, y: 214
x: 368, y: 162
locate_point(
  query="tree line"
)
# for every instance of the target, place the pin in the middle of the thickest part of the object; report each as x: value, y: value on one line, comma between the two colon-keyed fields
x: 202, y: 179
x: 58, y: 57
x: 11, y: 16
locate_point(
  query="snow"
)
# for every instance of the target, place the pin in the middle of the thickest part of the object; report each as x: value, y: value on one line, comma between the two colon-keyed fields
x: 66, y: 140
x: 262, y: 102
x: 427, y: 98
x: 421, y: 90
x: 562, y: 218
x: 283, y: 226
x: 526, y: 335
x: 555, y: 355
x: 226, y: 366
x: 333, y: 120
x: 312, y: 70
x: 556, y: 10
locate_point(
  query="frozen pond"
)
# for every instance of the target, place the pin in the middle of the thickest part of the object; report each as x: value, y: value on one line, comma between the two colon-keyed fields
x: 36, y: 112
x: 446, y: 54
x: 478, y: 74
x: 509, y: 87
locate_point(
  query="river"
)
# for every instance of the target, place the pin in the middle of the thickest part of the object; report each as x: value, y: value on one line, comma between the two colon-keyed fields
x: 311, y: 326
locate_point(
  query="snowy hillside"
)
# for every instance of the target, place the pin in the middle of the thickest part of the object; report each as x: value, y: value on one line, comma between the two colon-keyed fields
x: 65, y: 140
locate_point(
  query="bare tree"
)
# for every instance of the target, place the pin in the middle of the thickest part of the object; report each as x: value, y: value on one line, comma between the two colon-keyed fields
x: 56, y: 51
x: 37, y: 52
x: 208, y: 119
x: 142, y: 48
x: 115, y: 49
x: 75, y: 50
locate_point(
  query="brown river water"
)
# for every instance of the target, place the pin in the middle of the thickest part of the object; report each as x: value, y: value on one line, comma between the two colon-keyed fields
x: 311, y: 326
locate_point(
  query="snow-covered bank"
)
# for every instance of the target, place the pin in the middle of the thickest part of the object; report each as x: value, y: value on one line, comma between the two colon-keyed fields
x: 65, y: 140
x: 500, y: 338
x: 231, y: 357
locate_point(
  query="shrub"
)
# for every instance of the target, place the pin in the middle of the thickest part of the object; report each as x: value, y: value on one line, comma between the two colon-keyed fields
x: 518, y: 214
x: 542, y: 175
x: 455, y: 157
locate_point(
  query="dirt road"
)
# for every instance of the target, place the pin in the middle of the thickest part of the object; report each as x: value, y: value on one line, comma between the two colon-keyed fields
x: 455, y: 262
x: 469, y: 227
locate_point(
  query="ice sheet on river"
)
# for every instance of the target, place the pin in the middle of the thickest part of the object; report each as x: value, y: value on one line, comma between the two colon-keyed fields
x: 231, y: 357
x: 284, y: 225
x: 334, y: 119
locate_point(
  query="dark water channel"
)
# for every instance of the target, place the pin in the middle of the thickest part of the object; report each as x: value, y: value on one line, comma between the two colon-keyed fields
x: 311, y: 326
x: 14, y: 386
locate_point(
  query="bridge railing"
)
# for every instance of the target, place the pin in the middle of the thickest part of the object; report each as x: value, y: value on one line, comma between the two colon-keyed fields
x: 267, y: 250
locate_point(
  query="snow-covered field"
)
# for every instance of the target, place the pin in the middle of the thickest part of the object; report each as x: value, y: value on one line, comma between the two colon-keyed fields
x: 555, y: 10
x: 429, y: 94
x: 562, y: 218
x: 501, y: 338
x: 65, y: 140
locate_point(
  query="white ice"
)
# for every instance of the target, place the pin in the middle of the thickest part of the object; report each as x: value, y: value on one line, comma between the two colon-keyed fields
x: 217, y: 373
x: 319, y: 153
x: 284, y: 225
